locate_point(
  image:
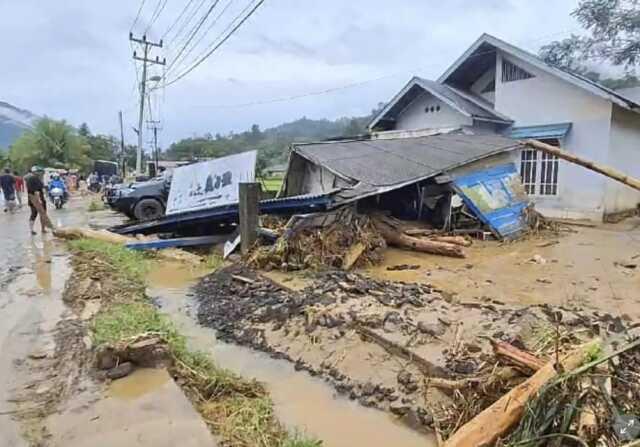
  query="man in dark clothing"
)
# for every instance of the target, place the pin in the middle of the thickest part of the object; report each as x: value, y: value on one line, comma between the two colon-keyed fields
x: 8, y: 186
x: 37, y: 203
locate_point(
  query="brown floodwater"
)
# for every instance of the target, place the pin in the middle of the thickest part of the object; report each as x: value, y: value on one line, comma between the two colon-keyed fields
x: 140, y: 382
x: 580, y: 269
x: 301, y: 402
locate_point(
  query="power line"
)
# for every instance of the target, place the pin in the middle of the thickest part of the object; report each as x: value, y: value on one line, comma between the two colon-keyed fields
x: 137, y: 15
x: 224, y: 39
x: 194, y: 32
x: 184, y: 10
x: 159, y: 8
x: 184, y: 25
x: 211, y: 25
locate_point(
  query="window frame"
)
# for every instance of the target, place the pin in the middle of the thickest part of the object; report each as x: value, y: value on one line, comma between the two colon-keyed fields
x: 538, y: 168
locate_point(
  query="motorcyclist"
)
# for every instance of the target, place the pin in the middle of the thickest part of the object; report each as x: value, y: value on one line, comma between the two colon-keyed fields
x: 57, y: 182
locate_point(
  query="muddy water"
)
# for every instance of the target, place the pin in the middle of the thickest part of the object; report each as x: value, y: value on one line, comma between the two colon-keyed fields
x: 580, y: 269
x: 33, y: 271
x: 141, y: 382
x: 301, y: 401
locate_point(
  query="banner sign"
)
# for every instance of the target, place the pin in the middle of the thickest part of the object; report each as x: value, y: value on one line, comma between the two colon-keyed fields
x: 210, y: 183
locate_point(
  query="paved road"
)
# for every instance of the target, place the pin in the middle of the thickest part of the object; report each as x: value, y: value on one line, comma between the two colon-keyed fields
x: 33, y: 271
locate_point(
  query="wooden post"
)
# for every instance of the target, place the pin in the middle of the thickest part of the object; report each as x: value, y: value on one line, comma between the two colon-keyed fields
x: 601, y: 169
x: 249, y: 197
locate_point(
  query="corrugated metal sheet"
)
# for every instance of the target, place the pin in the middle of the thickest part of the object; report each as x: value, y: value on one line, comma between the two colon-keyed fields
x: 385, y: 163
x: 540, y: 132
x: 497, y: 197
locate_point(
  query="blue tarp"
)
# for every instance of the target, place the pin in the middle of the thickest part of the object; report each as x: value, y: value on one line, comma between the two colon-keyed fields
x: 543, y: 132
x: 497, y: 197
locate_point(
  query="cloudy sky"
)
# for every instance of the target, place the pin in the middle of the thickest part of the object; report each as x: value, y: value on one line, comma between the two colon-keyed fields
x: 71, y: 59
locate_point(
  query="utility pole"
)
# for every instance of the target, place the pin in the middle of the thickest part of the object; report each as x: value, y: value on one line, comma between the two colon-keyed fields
x: 155, y: 126
x: 146, y: 44
x: 123, y: 158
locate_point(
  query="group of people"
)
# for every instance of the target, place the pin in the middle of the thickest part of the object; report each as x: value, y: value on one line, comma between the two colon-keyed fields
x: 13, y: 185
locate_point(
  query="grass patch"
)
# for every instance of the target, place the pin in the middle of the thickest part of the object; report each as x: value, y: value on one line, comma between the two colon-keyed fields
x: 131, y: 263
x: 214, y: 261
x: 272, y: 184
x: 95, y: 205
x: 238, y: 410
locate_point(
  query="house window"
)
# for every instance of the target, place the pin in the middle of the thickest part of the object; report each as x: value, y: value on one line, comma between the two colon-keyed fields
x: 511, y: 72
x: 539, y: 171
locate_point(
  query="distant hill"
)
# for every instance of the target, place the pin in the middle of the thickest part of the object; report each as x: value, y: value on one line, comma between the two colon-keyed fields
x: 13, y: 122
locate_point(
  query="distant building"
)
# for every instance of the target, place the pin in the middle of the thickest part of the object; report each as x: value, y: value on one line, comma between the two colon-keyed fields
x: 499, y: 88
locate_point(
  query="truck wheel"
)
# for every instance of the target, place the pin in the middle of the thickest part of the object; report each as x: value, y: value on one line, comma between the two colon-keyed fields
x: 148, y: 209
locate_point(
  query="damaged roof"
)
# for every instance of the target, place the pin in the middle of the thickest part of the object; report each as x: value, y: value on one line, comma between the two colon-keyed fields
x: 466, y: 104
x: 390, y: 163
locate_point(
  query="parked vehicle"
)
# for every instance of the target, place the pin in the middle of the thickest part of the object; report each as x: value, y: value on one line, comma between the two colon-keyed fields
x: 140, y: 200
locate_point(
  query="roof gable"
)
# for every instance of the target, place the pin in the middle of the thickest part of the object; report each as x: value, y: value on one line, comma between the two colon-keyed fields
x: 461, y: 102
x: 486, y: 42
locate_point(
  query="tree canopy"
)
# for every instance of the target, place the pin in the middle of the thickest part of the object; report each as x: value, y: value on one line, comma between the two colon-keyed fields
x: 613, y: 28
x: 50, y: 143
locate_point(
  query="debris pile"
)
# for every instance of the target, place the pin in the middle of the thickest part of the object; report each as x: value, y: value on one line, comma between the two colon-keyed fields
x: 435, y: 363
x: 339, y: 239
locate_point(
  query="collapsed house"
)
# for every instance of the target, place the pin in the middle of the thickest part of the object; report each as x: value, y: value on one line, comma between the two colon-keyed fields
x: 460, y: 181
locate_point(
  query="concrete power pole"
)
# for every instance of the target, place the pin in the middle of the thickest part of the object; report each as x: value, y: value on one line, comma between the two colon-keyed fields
x: 146, y: 44
x: 123, y: 159
x: 155, y: 126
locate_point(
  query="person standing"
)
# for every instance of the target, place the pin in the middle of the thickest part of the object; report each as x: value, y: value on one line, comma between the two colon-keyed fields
x: 37, y: 203
x: 8, y: 186
x: 19, y: 186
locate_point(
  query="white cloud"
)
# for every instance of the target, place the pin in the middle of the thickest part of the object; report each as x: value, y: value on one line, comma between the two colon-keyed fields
x: 72, y: 59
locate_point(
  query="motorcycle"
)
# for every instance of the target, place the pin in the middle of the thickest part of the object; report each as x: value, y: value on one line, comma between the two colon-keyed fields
x: 57, y: 197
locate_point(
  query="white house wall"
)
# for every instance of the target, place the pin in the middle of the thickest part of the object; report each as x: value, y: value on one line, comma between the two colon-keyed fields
x: 624, y: 154
x: 415, y: 117
x: 546, y: 99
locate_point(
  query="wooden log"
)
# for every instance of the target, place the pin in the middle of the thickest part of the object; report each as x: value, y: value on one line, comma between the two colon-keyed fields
x: 607, y: 171
x: 425, y: 366
x: 401, y: 240
x: 518, y: 356
x: 497, y: 419
x: 456, y: 240
x: 352, y: 255
x: 171, y: 254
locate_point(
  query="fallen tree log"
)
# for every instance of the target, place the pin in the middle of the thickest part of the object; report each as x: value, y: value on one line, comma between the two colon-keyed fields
x: 497, y: 419
x: 518, y: 356
x: 607, y: 171
x: 455, y: 240
x: 401, y: 240
x: 425, y: 366
x: 171, y: 254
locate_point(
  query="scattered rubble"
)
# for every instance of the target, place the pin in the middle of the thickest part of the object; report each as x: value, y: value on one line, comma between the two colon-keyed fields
x: 404, y: 348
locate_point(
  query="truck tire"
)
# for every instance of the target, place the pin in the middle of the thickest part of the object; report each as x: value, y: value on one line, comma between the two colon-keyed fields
x: 148, y: 209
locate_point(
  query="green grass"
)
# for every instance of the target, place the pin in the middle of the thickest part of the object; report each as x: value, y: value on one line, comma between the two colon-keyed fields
x: 272, y: 183
x: 214, y: 261
x: 131, y: 263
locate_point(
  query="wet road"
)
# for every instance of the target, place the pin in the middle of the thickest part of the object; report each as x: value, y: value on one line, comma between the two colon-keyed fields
x: 33, y: 271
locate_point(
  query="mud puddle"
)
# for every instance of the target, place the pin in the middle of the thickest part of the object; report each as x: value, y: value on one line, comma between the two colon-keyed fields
x: 137, y: 384
x: 301, y: 401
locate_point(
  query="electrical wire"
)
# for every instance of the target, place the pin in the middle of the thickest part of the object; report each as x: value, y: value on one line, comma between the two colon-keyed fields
x: 137, y: 15
x: 182, y: 13
x: 178, y: 38
x: 194, y: 32
x: 159, y: 8
x: 215, y: 48
x: 211, y: 25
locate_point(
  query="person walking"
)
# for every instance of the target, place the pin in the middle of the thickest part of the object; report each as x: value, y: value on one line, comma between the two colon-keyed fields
x: 8, y: 186
x: 37, y: 202
x: 19, y: 187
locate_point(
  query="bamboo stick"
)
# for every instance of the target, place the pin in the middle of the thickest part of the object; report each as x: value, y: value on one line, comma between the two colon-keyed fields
x: 607, y: 171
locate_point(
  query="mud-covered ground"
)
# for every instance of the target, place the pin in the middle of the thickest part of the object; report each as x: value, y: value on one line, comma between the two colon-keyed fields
x: 377, y: 340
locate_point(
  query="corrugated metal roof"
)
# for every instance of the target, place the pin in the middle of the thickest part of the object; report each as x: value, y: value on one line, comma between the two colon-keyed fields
x: 539, y: 132
x: 384, y: 163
